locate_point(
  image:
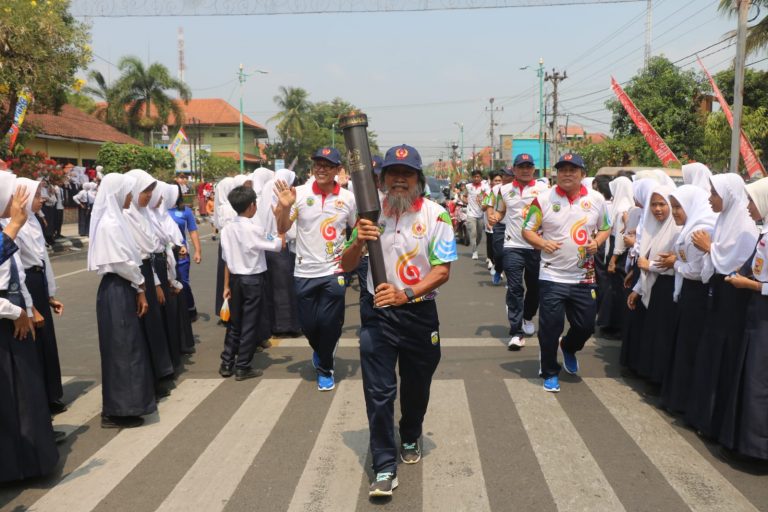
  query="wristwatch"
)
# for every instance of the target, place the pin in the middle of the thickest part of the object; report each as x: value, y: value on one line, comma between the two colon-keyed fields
x: 409, y: 294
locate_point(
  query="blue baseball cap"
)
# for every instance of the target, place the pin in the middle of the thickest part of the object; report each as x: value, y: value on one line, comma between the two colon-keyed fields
x: 377, y: 163
x: 523, y: 159
x: 570, y: 158
x: 402, y: 155
x: 330, y: 154
x: 508, y: 171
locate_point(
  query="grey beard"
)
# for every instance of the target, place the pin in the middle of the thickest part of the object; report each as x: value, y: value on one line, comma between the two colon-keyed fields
x: 397, y: 204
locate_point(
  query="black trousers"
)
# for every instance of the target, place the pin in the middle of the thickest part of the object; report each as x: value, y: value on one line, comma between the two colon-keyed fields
x: 246, y: 309
x: 499, y: 230
x: 321, y: 314
x: 521, y: 265
x: 406, y: 337
x: 577, y: 302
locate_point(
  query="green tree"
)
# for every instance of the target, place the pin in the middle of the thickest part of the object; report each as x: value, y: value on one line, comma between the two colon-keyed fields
x: 626, y: 151
x: 293, y: 118
x: 755, y: 87
x: 41, y: 48
x: 716, y: 149
x: 140, y: 87
x: 217, y: 167
x: 757, y: 35
x: 111, y: 111
x: 124, y: 157
x: 669, y: 98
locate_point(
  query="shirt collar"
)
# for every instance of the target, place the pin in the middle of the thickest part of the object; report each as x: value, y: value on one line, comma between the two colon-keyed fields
x: 521, y: 186
x: 581, y: 193
x: 316, y: 189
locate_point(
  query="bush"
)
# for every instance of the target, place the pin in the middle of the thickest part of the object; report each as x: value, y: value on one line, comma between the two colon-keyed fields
x: 124, y: 157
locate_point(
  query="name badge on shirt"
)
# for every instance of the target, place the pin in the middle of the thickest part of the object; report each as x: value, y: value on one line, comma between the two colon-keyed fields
x: 179, y: 214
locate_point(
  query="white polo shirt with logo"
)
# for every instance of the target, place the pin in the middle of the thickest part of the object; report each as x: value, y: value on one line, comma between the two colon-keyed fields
x: 516, y: 198
x: 571, y: 221
x: 475, y: 195
x: 414, y: 243
x: 321, y: 222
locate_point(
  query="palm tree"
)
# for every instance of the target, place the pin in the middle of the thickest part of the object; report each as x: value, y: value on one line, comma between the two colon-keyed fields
x: 294, y: 112
x: 111, y: 112
x: 757, y: 35
x: 141, y: 87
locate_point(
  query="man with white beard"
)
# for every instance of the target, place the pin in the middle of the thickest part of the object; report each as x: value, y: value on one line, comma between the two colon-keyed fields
x: 400, y: 322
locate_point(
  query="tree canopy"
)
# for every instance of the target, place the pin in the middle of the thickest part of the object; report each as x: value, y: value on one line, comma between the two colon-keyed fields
x: 41, y: 49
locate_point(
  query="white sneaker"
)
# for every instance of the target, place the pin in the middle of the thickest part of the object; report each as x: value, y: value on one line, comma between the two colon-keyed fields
x: 492, y: 271
x: 474, y: 255
x: 489, y: 263
x: 516, y: 343
x: 528, y: 327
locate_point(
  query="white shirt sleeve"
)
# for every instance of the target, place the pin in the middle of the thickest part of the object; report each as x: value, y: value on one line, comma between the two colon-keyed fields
x: 49, y: 276
x: 8, y: 310
x: 128, y: 270
x: 24, y: 291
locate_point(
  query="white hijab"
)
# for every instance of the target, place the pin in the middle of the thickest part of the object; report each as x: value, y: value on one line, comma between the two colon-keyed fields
x: 658, y: 237
x: 7, y: 189
x: 268, y: 199
x: 140, y: 219
x: 758, y: 191
x: 735, y: 233
x: 221, y: 203
x: 110, y: 236
x: 641, y: 193
x: 30, y: 237
x: 623, y: 199
x: 241, y: 179
x: 170, y: 193
x: 697, y: 174
x: 698, y: 216
x: 260, y: 177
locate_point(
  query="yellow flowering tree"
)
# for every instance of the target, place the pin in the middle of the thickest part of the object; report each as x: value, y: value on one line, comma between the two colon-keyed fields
x: 41, y: 48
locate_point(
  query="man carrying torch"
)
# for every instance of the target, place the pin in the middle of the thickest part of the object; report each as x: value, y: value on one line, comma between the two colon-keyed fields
x: 400, y: 322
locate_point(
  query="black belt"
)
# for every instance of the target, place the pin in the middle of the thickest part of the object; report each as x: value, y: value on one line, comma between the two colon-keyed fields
x: 35, y: 268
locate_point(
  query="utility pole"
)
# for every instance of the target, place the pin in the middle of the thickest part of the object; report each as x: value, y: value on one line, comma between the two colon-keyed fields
x: 555, y: 78
x: 542, y: 145
x: 461, y: 146
x: 648, y: 28
x: 738, y: 82
x: 493, y: 109
x: 241, y: 76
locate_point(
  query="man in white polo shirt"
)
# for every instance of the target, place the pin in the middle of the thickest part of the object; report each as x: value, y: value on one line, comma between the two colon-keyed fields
x: 573, y: 222
x: 477, y: 189
x: 400, y: 327
x: 521, y: 260
x: 322, y: 211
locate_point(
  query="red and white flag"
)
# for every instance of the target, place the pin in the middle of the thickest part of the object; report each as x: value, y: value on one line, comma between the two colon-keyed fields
x: 753, y: 164
x: 651, y: 136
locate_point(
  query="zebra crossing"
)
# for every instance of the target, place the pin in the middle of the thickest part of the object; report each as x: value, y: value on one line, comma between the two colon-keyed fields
x: 202, y: 447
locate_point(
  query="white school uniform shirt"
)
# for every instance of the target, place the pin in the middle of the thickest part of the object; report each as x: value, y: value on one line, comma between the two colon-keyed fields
x: 414, y: 243
x: 516, y: 198
x: 475, y: 196
x: 572, y: 222
x: 7, y: 309
x: 30, y: 258
x: 321, y: 223
x: 243, y: 243
x: 760, y: 262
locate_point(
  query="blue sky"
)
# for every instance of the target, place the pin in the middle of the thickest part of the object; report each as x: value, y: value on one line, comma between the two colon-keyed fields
x: 415, y: 74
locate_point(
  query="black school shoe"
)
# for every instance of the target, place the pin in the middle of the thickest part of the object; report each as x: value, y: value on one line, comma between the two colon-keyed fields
x: 247, y: 373
x: 121, y: 421
x: 57, y: 407
x: 225, y: 370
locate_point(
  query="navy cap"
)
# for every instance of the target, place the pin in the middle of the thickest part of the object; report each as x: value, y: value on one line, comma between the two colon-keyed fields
x: 522, y: 159
x: 330, y: 154
x: 508, y: 171
x: 377, y: 163
x: 570, y: 158
x: 402, y: 155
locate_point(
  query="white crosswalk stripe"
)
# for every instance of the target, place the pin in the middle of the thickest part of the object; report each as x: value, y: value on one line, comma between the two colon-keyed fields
x: 331, y: 475
x: 573, y: 476
x: 697, y: 482
x: 85, y: 487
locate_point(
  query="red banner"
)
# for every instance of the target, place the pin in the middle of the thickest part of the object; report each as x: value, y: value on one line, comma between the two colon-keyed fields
x: 651, y: 137
x: 753, y: 164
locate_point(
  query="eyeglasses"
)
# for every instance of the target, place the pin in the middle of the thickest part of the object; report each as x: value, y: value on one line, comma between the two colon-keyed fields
x: 324, y: 166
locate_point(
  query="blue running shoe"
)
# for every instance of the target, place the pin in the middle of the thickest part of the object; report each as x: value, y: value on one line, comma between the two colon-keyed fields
x: 315, y: 360
x: 552, y: 384
x: 496, y: 279
x: 325, y: 382
x: 570, y: 363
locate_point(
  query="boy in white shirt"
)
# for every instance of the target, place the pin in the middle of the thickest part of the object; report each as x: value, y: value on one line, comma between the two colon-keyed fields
x: 243, y: 243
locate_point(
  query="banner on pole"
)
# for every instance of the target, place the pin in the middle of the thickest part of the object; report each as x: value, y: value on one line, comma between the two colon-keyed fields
x: 25, y: 98
x: 651, y: 136
x: 753, y: 164
x: 180, y: 138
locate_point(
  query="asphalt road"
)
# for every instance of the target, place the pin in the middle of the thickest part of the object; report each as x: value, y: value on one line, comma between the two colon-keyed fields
x: 493, y: 439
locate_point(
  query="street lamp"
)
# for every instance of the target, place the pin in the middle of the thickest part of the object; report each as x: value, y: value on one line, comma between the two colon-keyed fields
x: 461, y: 145
x: 241, y: 76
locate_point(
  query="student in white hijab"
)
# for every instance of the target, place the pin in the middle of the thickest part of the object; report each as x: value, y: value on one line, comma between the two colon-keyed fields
x: 718, y: 353
x: 697, y: 174
x: 41, y: 284
x: 623, y: 201
x: 655, y: 287
x: 146, y: 239
x: 26, y: 435
x: 260, y: 177
x: 128, y: 389
x: 223, y: 214
x: 745, y: 428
